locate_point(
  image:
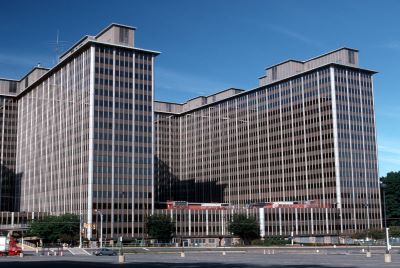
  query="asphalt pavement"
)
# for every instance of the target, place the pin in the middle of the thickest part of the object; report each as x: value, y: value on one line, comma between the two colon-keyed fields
x: 209, y: 258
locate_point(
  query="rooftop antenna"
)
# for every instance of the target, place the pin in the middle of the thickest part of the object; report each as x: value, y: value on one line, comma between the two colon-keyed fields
x: 58, y: 46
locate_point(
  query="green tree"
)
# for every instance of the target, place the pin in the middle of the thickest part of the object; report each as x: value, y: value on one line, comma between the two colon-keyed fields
x: 53, y: 228
x: 160, y: 227
x: 394, y: 231
x: 245, y: 227
x: 391, y: 184
x: 372, y: 233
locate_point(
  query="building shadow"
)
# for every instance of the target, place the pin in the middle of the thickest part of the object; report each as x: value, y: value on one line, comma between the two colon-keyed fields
x: 169, y: 187
x: 10, y: 189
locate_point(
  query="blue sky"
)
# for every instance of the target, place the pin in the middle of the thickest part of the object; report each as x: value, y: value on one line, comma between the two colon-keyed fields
x: 210, y: 45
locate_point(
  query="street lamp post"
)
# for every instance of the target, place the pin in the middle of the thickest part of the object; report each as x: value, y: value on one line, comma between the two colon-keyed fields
x: 121, y: 257
x: 120, y: 246
x: 121, y: 253
x: 182, y: 249
x: 338, y: 221
x: 383, y: 186
x: 80, y: 230
x: 369, y: 243
x: 368, y: 239
x: 388, y: 257
x: 101, y: 227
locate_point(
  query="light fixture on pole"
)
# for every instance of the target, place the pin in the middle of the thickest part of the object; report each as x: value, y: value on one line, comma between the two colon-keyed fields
x: 101, y: 226
x: 121, y: 257
x: 80, y: 230
x: 368, y: 239
x: 388, y: 257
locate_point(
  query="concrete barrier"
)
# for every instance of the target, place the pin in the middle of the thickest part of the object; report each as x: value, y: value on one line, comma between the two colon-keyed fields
x: 121, y: 258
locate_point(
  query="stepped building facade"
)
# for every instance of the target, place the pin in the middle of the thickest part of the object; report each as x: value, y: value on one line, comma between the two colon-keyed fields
x: 86, y: 137
x: 306, y: 135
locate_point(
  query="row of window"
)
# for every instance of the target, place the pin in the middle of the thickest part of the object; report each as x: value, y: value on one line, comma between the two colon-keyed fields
x: 123, y: 95
x: 110, y: 61
x: 107, y: 71
x: 120, y: 205
x: 122, y: 181
x: 124, y: 52
x: 118, y: 137
x: 108, y: 194
x: 122, y: 116
x: 122, y: 159
x: 122, y: 170
x: 121, y: 148
x: 122, y: 127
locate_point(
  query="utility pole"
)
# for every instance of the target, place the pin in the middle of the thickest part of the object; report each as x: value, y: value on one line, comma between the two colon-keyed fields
x: 80, y: 230
x: 101, y: 226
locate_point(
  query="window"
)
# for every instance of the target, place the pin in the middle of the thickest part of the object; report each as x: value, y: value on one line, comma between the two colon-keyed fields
x: 351, y: 57
x: 13, y: 87
x: 123, y: 35
x: 274, y: 73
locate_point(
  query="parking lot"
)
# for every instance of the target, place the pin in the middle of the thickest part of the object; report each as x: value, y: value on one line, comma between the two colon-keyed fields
x: 212, y: 258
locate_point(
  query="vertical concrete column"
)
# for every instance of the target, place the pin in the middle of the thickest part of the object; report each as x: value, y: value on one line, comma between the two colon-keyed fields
x: 190, y: 222
x: 207, y: 227
x: 262, y: 222
x: 91, y: 150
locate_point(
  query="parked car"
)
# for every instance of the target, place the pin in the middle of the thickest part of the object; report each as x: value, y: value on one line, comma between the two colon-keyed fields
x: 105, y: 252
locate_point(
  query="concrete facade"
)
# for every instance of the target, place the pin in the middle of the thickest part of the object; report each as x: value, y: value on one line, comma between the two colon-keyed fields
x: 306, y: 134
x: 85, y: 134
x: 9, y: 180
x: 87, y: 137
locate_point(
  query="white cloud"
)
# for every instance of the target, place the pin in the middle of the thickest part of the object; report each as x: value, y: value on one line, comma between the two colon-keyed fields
x: 294, y: 35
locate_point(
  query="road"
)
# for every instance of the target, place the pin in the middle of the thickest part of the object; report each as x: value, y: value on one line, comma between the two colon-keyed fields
x: 282, y: 249
x: 210, y: 258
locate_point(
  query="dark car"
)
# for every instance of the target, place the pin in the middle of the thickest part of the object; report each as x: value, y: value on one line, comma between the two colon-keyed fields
x: 105, y: 252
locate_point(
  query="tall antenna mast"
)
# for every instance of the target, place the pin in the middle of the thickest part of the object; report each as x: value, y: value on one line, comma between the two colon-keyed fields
x: 58, y: 46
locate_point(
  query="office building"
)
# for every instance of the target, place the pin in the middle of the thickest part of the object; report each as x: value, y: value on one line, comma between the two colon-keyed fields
x: 86, y: 137
x: 84, y: 141
x: 305, y: 135
x: 9, y: 187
